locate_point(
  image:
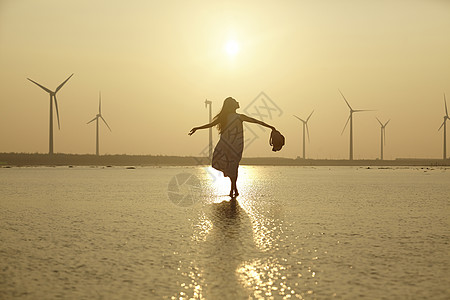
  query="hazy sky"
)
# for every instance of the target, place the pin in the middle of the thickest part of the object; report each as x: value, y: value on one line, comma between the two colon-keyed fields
x: 156, y: 62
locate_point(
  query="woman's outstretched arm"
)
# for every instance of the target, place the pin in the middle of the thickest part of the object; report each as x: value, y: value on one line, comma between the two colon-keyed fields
x: 252, y: 120
x: 213, y: 123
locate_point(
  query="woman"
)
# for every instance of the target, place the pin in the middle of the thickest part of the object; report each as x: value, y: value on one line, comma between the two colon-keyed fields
x: 228, y: 151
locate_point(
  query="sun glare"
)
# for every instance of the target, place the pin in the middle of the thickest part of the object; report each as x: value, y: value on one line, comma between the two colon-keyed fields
x: 232, y: 48
x: 221, y: 185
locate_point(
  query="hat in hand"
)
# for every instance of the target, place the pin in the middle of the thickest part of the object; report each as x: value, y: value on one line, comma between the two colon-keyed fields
x: 276, y: 140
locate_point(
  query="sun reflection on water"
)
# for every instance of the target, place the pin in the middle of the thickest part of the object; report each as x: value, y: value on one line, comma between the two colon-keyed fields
x: 201, y: 228
x: 264, y: 215
x: 247, y: 245
x: 266, y: 279
x: 193, y: 288
x: 220, y: 185
x: 277, y: 274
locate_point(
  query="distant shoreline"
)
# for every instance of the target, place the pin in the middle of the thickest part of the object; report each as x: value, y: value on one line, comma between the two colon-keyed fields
x: 60, y: 159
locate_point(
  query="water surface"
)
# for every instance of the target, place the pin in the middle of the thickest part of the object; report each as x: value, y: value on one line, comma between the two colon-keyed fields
x: 294, y: 232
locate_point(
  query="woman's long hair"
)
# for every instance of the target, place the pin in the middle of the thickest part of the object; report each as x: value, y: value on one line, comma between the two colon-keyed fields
x: 229, y: 106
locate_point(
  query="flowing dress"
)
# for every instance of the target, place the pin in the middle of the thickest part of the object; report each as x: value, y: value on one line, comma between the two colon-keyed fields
x: 228, y: 151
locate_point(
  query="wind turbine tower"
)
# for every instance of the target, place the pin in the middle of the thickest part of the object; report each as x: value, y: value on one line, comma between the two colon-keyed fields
x: 305, y: 128
x: 52, y: 98
x: 350, y: 118
x: 383, y: 136
x: 446, y: 117
x: 98, y: 116
x: 207, y: 102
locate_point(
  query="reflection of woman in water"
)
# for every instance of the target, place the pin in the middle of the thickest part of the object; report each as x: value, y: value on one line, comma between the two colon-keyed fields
x: 228, y: 151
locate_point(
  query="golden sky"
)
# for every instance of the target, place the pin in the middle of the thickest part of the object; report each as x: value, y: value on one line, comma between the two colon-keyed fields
x: 155, y: 63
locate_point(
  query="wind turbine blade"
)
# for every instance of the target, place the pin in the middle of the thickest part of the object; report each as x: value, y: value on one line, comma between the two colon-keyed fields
x: 445, y: 102
x: 345, y: 100
x: 92, y: 120
x: 379, y: 121
x: 361, y: 110
x: 346, y: 124
x: 57, y: 112
x: 106, y: 123
x: 99, y: 103
x: 387, y: 122
x: 299, y: 118
x: 307, y: 131
x: 441, y: 125
x: 309, y: 116
x: 41, y: 86
x: 61, y: 85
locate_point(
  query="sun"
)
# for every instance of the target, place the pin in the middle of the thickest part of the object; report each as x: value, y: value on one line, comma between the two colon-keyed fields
x: 232, y: 48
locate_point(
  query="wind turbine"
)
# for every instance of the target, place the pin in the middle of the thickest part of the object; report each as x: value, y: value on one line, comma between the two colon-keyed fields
x: 98, y: 116
x: 207, y: 102
x: 446, y: 117
x: 350, y: 118
x: 305, y: 128
x: 383, y: 136
x: 52, y: 96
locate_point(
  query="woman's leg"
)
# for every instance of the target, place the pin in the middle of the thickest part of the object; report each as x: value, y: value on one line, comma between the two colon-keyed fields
x: 233, y: 185
x: 236, y: 193
x: 233, y: 178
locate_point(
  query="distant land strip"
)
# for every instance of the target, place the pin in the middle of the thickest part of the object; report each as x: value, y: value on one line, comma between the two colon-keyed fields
x: 61, y: 159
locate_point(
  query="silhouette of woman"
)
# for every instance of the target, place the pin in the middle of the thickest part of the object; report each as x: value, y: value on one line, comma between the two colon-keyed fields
x: 228, y: 151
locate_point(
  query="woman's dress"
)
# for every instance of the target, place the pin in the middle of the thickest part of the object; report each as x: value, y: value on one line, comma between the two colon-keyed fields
x: 228, y: 151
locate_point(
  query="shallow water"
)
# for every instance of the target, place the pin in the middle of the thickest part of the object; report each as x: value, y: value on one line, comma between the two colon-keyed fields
x: 294, y: 232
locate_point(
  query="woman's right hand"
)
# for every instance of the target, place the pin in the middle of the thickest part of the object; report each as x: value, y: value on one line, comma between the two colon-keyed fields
x: 193, y: 130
